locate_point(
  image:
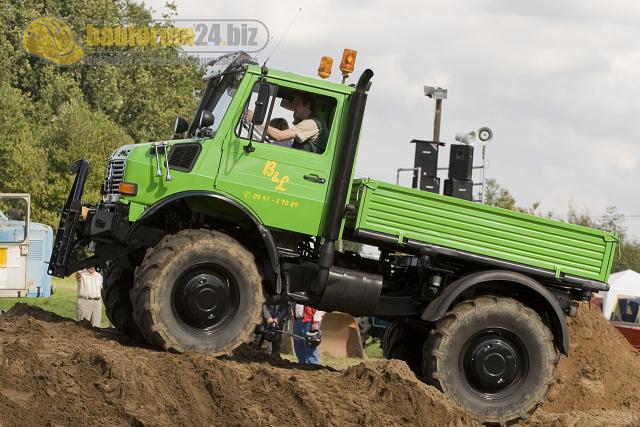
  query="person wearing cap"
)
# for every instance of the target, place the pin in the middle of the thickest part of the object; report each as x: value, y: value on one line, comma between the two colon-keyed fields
x: 309, y: 131
x: 89, y: 305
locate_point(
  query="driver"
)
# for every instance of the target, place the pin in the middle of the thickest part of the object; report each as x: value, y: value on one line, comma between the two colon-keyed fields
x: 309, y: 131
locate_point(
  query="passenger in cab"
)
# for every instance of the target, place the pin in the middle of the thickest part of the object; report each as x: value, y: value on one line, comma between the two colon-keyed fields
x: 309, y: 131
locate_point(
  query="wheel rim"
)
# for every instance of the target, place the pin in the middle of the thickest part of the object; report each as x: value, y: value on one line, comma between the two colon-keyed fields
x: 205, y: 298
x: 494, y: 362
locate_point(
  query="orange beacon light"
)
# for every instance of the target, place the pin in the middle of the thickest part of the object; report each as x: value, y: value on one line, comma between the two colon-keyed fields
x: 348, y: 63
x: 326, y: 63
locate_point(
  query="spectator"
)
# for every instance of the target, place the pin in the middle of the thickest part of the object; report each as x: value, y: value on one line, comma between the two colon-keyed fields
x: 307, y: 319
x: 89, y: 304
x: 273, y: 318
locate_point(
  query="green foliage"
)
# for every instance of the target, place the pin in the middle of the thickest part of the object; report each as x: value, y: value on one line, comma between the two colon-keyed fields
x: 354, y: 247
x: 628, y: 252
x: 77, y: 127
x: 495, y: 195
x: 52, y: 115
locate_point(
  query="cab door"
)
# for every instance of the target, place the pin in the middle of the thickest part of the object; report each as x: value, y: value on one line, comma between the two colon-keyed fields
x: 285, y: 187
x: 14, y: 249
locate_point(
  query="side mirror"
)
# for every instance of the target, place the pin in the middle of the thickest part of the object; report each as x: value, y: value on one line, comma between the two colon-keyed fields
x: 260, y: 110
x: 181, y: 125
x: 206, y: 119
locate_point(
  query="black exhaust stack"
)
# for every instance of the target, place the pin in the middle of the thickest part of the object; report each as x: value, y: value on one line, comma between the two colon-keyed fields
x: 340, y: 288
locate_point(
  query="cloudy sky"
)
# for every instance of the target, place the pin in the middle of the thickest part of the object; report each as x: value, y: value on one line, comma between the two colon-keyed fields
x: 557, y: 81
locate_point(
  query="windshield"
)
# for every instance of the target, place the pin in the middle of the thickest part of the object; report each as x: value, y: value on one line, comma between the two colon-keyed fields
x: 218, y: 97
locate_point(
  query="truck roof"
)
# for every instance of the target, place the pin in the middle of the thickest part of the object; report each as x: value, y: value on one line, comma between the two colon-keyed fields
x: 305, y: 80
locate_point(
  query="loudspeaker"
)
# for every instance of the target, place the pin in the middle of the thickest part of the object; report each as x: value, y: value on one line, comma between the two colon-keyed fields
x: 426, y: 157
x: 461, y: 161
x: 460, y: 188
x: 428, y: 183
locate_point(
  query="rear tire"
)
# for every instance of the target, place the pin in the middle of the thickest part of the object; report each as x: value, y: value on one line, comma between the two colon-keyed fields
x: 493, y: 356
x: 404, y: 343
x: 118, y: 281
x: 197, y: 290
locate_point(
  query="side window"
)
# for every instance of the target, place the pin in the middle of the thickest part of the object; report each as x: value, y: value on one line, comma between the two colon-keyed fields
x: 295, y: 119
x: 245, y: 129
x: 13, y: 220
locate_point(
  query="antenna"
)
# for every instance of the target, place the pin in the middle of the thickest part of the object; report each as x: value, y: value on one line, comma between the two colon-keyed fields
x: 283, y: 36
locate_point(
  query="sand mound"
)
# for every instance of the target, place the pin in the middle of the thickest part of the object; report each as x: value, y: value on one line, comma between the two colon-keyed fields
x: 599, y: 383
x: 57, y: 371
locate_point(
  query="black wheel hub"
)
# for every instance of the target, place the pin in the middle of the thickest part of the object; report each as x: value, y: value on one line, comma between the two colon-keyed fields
x: 494, y: 362
x: 205, y: 297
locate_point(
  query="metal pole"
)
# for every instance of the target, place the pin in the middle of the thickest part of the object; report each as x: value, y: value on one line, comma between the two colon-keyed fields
x: 484, y: 147
x: 436, y: 120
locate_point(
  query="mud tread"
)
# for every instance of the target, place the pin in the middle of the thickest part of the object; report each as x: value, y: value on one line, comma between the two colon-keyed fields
x: 146, y: 279
x: 439, y: 337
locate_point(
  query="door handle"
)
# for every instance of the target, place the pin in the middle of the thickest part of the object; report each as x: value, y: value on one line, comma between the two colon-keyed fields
x: 315, y: 178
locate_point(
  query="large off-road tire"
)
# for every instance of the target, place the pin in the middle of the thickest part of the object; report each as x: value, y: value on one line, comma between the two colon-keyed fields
x: 118, y: 281
x: 402, y: 342
x: 494, y: 356
x: 197, y: 290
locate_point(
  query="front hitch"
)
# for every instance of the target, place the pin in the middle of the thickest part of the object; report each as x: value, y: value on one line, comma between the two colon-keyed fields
x: 67, y: 235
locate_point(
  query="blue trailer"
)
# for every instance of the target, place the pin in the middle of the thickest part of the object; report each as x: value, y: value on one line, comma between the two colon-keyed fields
x: 24, y: 248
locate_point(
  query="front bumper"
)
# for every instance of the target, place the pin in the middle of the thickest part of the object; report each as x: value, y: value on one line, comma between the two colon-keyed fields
x: 107, y: 225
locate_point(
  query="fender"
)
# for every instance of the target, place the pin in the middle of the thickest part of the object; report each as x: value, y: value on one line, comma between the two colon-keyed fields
x: 440, y: 305
x: 264, y: 232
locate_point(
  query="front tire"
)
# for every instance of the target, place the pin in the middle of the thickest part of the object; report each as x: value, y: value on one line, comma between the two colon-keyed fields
x: 197, y: 290
x: 494, y: 356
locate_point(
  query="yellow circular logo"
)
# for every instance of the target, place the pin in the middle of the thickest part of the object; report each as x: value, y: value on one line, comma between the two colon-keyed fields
x: 51, y: 39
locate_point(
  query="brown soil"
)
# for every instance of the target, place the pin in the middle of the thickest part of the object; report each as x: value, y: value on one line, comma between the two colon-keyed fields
x: 599, y: 383
x: 54, y: 371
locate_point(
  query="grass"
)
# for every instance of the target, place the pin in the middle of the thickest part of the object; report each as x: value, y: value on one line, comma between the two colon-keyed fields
x: 62, y: 302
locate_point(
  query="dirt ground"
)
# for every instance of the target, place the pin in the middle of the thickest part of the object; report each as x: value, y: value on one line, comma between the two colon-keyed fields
x: 54, y: 371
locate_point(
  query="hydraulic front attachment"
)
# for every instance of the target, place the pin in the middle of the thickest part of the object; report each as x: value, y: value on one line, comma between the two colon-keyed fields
x: 66, y: 236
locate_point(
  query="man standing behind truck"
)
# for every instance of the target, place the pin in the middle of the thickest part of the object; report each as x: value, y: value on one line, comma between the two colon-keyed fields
x: 89, y: 305
x: 307, y: 321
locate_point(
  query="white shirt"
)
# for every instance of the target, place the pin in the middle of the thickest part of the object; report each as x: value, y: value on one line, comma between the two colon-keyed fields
x: 89, y: 285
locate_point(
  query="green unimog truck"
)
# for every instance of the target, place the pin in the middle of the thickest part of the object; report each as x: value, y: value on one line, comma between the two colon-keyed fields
x: 195, y: 233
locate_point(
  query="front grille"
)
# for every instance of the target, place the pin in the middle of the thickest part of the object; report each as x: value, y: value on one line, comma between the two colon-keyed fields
x: 114, y: 176
x: 183, y: 157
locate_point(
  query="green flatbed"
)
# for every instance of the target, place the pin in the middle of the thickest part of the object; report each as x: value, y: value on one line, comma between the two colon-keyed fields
x: 405, y: 213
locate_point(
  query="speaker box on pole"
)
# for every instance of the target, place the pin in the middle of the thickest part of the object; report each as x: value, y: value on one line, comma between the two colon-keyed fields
x: 429, y: 183
x: 426, y: 157
x: 461, y: 161
x: 460, y: 188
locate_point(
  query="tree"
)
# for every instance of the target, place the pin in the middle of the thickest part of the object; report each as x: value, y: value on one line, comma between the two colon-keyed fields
x: 496, y: 195
x: 628, y: 252
x: 53, y: 115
